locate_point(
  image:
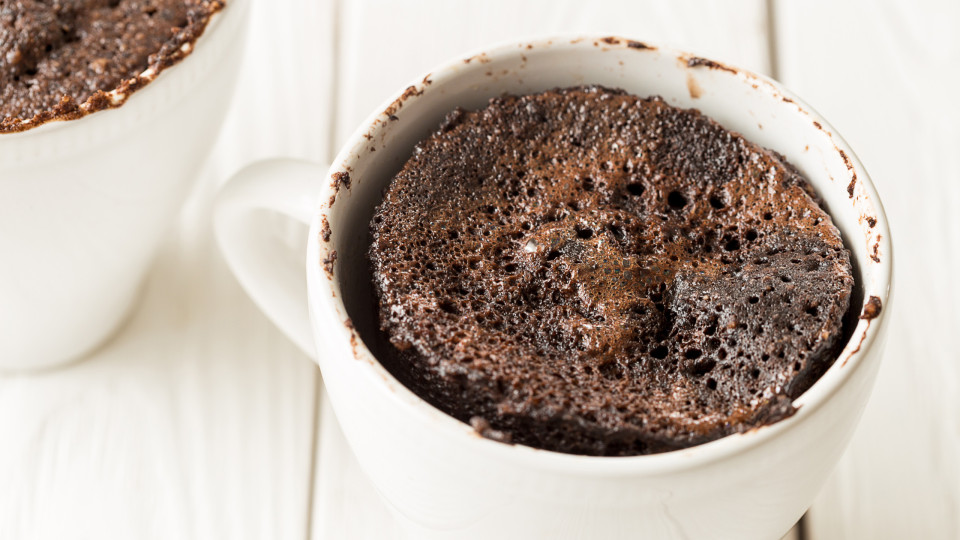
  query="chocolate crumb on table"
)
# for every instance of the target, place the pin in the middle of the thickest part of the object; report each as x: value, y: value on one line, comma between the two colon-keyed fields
x: 590, y: 272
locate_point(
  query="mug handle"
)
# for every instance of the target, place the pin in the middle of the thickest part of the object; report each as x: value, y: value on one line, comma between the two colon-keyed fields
x: 273, y: 276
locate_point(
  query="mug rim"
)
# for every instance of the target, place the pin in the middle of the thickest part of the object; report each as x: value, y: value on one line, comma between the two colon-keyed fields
x: 867, y: 335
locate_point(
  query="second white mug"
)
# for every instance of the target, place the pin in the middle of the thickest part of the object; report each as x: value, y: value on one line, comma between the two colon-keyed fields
x: 84, y: 203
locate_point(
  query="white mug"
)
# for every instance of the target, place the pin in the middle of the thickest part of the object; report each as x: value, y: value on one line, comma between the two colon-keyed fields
x: 439, y: 478
x: 84, y: 203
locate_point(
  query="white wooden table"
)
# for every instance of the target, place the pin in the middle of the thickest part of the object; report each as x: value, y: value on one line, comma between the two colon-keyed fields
x: 199, y: 420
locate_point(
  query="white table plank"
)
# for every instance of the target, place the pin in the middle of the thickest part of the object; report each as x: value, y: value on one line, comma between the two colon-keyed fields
x: 382, y: 48
x: 197, y: 420
x: 885, y: 74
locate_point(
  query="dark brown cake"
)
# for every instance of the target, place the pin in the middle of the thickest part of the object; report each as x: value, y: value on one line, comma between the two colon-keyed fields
x: 58, y: 57
x: 590, y: 272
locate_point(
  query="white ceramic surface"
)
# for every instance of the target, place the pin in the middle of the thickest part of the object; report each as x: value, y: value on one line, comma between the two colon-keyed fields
x: 438, y: 476
x: 84, y: 203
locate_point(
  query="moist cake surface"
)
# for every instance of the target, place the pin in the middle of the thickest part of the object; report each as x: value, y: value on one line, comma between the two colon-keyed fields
x: 590, y: 272
x: 58, y: 58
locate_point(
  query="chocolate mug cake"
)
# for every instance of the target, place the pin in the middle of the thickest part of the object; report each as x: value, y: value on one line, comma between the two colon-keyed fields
x: 591, y: 272
x: 62, y: 60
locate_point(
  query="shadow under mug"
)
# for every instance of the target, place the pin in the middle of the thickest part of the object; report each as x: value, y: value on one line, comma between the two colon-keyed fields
x: 438, y: 477
x: 84, y: 203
